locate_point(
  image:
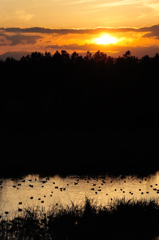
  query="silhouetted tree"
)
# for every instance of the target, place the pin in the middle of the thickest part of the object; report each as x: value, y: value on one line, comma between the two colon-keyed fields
x: 74, y: 57
x: 47, y: 54
x: 36, y: 56
x: 88, y: 56
x: 127, y: 54
x: 110, y: 60
x: 100, y: 57
x: 10, y: 60
x: 156, y: 59
x: 92, y: 93
x: 57, y: 57
x: 65, y: 56
x: 146, y: 59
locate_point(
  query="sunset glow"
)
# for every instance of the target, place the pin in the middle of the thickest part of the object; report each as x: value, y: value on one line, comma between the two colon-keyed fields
x: 80, y: 119
x: 106, y: 39
x: 83, y: 25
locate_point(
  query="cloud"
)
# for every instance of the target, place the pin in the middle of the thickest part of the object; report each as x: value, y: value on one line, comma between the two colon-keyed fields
x: 110, y: 50
x: 22, y: 15
x: 2, y: 42
x: 28, y: 30
x: 118, y: 3
x: 153, y: 30
x: 90, y: 47
x: 22, y: 39
x: 68, y: 31
x: 80, y: 1
x: 73, y: 47
x: 56, y: 39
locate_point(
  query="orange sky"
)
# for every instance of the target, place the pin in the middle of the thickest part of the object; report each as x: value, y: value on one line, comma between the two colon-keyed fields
x: 112, y: 26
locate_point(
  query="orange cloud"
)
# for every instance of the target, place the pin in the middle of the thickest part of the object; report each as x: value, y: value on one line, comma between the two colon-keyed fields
x: 40, y: 39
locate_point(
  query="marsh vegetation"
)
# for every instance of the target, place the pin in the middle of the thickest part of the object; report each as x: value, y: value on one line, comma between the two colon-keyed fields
x: 121, y: 220
x: 34, y: 191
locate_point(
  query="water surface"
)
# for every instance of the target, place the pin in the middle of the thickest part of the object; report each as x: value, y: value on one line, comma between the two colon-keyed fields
x: 33, y: 191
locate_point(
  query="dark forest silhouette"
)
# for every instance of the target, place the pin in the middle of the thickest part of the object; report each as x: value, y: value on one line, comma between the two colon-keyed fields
x: 78, y: 109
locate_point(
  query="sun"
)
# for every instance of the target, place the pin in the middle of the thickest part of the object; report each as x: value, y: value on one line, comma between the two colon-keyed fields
x: 106, y: 39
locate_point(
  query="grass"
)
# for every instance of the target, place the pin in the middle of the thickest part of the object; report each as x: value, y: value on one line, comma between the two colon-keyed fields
x: 124, y: 220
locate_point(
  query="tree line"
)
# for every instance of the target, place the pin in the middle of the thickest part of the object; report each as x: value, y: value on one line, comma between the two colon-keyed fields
x: 92, y: 106
x: 81, y: 84
x: 99, y: 57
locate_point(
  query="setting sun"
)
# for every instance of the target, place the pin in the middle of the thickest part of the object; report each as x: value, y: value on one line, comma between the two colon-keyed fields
x: 106, y: 39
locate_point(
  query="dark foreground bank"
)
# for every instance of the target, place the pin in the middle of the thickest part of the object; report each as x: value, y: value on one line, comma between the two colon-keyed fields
x: 81, y: 167
x: 121, y: 220
x: 88, y: 167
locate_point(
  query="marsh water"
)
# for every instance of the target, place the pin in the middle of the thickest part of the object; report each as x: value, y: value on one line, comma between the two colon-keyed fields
x: 44, y: 193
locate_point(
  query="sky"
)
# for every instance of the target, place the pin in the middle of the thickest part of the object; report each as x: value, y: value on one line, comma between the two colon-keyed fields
x: 111, y: 26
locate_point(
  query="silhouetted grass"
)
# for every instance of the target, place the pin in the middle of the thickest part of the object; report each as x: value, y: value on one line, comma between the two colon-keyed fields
x: 120, y: 220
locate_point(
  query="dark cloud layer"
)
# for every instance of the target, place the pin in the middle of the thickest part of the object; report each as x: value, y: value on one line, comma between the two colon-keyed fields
x: 18, y: 39
x: 153, y: 30
x: 110, y: 50
x: 73, y: 47
x: 2, y: 44
x: 22, y: 39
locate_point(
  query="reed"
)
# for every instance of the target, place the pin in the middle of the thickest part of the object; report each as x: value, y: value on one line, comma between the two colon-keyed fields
x: 120, y: 220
